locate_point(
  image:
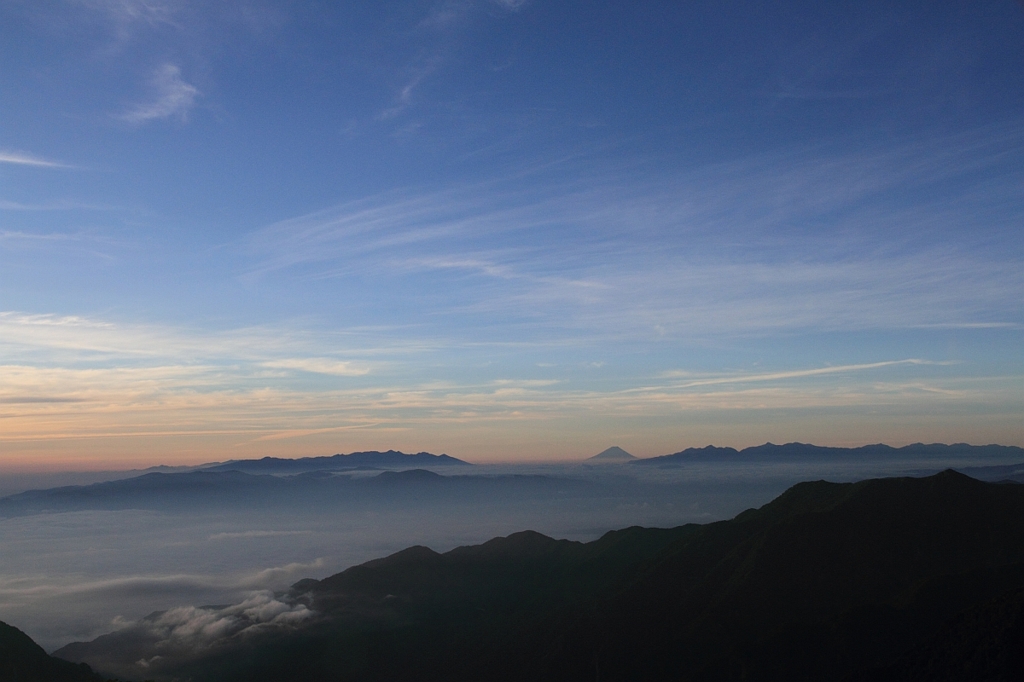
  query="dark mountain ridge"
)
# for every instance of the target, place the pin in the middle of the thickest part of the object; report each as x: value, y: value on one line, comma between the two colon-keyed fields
x: 797, y: 452
x: 354, y: 460
x: 828, y: 581
x: 22, y: 660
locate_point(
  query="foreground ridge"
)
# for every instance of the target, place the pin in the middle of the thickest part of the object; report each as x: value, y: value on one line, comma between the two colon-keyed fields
x: 22, y: 660
x: 881, y: 579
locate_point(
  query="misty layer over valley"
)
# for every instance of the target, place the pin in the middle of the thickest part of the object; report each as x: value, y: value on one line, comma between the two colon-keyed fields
x: 899, y: 578
x: 81, y: 561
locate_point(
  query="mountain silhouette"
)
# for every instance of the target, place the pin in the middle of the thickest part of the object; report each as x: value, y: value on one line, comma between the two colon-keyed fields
x: 22, y: 660
x: 827, y: 581
x: 355, y: 460
x: 797, y: 452
x: 612, y: 454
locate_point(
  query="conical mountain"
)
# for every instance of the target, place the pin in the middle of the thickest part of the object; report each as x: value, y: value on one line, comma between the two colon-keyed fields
x: 612, y: 454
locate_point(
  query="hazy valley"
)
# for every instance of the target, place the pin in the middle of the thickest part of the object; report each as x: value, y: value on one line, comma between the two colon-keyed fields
x: 82, y: 561
x: 284, y: 558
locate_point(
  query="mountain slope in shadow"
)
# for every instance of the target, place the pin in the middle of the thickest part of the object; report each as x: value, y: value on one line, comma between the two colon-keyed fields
x: 22, y: 660
x: 985, y: 642
x: 828, y: 581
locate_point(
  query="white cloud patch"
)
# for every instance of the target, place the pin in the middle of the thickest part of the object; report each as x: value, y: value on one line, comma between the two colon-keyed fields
x: 180, y: 633
x: 173, y: 98
x: 192, y: 628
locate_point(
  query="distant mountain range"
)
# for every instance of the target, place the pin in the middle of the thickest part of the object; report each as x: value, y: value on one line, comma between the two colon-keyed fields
x: 789, y: 452
x: 907, y: 579
x: 769, y: 452
x: 313, y: 491
x: 392, y: 459
x: 367, y: 478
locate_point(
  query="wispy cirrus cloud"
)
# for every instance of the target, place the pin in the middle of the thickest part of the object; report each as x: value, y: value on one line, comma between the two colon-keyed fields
x: 463, y: 287
x: 238, y: 404
x: 436, y: 32
x: 732, y: 248
x: 255, y: 534
x: 319, y: 366
x: 25, y: 159
x: 149, y: 11
x: 404, y: 96
x: 125, y: 17
x: 172, y: 98
x: 793, y: 374
x: 511, y: 5
x: 12, y: 236
x: 80, y: 337
x: 18, y: 206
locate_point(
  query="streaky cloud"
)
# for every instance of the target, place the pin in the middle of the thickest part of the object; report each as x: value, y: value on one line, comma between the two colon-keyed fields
x: 174, y: 98
x: 25, y: 159
x: 688, y: 254
x: 319, y: 366
x: 775, y: 376
x: 125, y: 18
x: 249, y: 534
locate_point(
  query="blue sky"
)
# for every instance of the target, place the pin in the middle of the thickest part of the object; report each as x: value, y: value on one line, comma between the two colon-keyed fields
x: 506, y: 229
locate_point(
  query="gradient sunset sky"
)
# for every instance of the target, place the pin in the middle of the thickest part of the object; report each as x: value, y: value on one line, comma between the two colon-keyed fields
x: 507, y: 230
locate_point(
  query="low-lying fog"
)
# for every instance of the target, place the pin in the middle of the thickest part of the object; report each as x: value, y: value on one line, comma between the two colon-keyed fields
x: 73, y: 575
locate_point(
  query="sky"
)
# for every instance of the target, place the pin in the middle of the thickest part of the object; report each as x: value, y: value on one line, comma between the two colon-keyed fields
x: 506, y: 230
